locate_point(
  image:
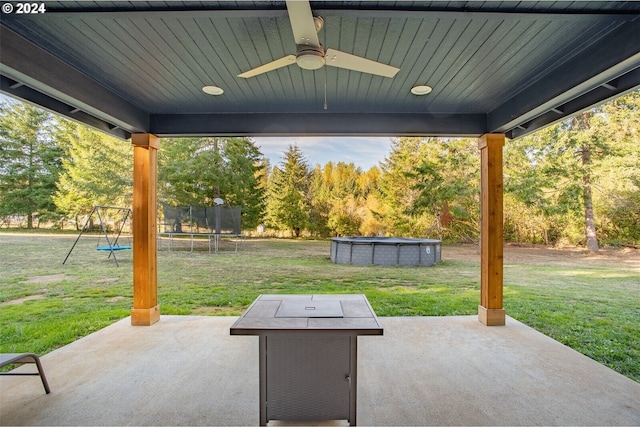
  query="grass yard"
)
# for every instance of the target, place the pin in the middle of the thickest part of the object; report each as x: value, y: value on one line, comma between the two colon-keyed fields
x: 590, y: 303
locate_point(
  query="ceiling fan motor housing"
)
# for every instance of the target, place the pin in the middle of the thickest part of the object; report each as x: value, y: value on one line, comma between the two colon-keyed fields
x: 310, y: 57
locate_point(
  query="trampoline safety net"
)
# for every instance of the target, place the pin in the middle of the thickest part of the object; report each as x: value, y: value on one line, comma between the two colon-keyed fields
x: 201, y: 219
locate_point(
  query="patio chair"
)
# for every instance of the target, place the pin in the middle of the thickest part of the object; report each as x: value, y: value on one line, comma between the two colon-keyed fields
x: 20, y: 359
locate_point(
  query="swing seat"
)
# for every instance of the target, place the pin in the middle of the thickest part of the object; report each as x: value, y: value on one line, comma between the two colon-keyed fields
x: 113, y: 248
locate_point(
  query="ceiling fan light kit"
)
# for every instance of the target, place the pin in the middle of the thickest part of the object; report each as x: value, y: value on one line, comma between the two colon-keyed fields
x: 310, y: 58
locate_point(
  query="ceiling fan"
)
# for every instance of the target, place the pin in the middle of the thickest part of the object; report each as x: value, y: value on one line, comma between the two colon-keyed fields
x: 311, y: 55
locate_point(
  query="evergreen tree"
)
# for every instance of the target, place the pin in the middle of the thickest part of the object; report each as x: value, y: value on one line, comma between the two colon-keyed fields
x: 288, y: 201
x: 29, y: 162
x: 336, y: 199
x: 368, y: 181
x: 447, y: 176
x: 97, y: 170
x: 398, y: 191
x: 320, y: 192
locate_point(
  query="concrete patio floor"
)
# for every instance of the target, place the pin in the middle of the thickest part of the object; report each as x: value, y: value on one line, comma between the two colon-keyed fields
x: 188, y: 370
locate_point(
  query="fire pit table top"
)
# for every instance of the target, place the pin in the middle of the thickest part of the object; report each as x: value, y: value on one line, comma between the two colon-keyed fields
x: 349, y: 313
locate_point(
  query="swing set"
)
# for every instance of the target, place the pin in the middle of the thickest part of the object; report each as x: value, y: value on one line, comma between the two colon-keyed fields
x: 112, y: 243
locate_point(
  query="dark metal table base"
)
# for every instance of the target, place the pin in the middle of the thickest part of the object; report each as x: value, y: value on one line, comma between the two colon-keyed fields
x: 308, y: 377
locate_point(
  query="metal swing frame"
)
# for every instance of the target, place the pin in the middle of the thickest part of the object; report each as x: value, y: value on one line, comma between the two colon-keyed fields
x: 112, y: 246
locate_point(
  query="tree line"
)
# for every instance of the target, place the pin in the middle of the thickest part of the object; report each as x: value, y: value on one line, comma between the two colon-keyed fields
x: 576, y: 182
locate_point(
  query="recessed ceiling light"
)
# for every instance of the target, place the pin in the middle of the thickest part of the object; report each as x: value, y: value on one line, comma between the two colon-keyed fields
x: 213, y: 90
x: 421, y: 90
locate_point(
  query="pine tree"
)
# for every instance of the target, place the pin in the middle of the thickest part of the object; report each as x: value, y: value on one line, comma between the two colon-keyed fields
x: 97, y: 170
x: 447, y: 176
x: 288, y: 200
x: 398, y: 192
x: 320, y: 194
x: 29, y: 162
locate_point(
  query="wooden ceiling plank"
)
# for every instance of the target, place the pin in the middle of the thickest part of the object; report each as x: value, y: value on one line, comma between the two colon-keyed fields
x: 146, y: 76
x: 465, y: 40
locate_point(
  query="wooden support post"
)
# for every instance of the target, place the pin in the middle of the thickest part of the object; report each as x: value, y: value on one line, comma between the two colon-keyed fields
x: 145, y: 311
x: 491, y: 311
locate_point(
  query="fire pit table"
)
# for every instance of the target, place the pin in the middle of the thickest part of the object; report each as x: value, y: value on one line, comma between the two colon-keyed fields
x: 308, y: 353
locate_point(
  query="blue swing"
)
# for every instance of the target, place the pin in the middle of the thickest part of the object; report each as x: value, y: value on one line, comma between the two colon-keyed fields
x: 113, y: 248
x: 112, y: 244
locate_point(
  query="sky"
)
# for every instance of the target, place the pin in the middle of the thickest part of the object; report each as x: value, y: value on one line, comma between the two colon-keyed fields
x: 364, y: 152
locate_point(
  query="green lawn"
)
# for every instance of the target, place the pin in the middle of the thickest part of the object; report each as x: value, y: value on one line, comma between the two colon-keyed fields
x: 593, y: 307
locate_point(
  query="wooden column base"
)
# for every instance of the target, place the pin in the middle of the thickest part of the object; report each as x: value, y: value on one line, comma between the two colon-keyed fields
x: 491, y: 316
x: 145, y: 316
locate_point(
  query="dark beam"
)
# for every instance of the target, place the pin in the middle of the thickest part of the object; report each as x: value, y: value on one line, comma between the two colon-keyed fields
x: 24, y: 62
x: 465, y: 13
x: 610, y: 58
x: 25, y: 93
x: 314, y: 124
x: 248, y: 10
x: 623, y: 84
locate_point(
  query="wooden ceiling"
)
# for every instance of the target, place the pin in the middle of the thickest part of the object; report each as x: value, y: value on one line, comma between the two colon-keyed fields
x: 507, y: 67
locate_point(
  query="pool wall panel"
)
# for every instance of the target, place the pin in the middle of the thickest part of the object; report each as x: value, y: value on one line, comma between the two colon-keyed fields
x: 343, y: 254
x: 385, y: 255
x: 361, y: 254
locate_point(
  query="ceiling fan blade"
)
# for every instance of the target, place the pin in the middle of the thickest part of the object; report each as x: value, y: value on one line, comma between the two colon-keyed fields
x: 336, y: 58
x: 302, y: 24
x: 273, y: 65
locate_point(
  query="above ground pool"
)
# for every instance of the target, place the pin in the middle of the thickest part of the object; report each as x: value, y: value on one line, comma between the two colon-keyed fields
x: 385, y: 251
